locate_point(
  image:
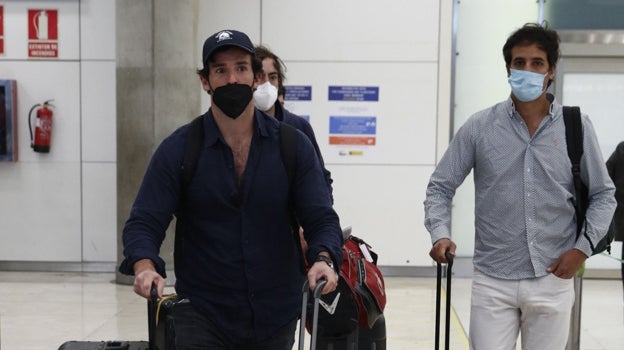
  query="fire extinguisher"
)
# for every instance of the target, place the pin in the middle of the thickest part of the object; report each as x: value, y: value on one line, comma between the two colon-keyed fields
x: 43, y: 127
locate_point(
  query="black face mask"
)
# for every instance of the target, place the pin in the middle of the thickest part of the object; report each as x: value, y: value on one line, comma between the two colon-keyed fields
x: 232, y: 99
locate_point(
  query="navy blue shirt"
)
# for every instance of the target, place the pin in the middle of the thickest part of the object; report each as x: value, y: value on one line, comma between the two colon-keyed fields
x: 237, y: 260
x: 284, y: 115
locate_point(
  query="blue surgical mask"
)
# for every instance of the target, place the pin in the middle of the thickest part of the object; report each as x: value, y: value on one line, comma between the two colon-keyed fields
x: 526, y: 86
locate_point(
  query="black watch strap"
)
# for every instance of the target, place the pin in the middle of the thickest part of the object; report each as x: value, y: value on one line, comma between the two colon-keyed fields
x: 325, y: 259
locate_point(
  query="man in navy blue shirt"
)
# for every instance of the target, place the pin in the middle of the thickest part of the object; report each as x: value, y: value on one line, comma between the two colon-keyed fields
x: 236, y: 260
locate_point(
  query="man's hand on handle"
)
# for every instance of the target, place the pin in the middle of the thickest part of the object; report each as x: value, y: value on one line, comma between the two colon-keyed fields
x: 321, y: 270
x: 439, y: 249
x: 144, y: 275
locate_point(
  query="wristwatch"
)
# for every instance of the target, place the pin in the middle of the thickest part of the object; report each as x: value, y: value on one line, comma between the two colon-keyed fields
x: 327, y: 260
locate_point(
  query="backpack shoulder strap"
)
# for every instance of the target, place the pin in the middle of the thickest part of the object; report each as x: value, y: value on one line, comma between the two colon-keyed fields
x: 574, y: 135
x: 574, y: 141
x: 288, y: 147
x: 192, y: 148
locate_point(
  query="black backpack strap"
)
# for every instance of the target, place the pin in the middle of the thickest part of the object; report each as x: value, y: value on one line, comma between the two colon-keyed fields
x: 288, y: 148
x: 574, y: 136
x: 574, y: 141
x: 192, y: 148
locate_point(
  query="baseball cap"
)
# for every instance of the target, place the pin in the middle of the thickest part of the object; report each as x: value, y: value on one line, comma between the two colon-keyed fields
x: 226, y: 38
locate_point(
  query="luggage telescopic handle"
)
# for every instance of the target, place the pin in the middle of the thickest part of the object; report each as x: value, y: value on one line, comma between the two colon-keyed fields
x: 152, y: 304
x: 318, y: 290
x: 449, y: 258
x: 154, y: 292
x: 449, y: 266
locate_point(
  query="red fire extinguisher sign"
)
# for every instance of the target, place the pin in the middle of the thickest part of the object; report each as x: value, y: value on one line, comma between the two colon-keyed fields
x: 42, y: 33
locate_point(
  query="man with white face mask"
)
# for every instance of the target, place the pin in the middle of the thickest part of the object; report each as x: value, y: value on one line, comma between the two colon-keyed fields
x: 526, y: 247
x: 266, y: 98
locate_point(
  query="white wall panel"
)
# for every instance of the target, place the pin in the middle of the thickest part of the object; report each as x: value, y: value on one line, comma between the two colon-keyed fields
x: 40, y: 210
x: 407, y: 108
x: 99, y: 208
x: 352, y: 30
x: 16, y: 28
x: 384, y: 205
x: 42, y: 193
x: 97, y: 29
x: 40, y: 81
x: 98, y: 111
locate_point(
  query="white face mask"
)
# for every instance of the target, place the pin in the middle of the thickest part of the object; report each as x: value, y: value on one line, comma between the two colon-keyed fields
x: 265, y: 96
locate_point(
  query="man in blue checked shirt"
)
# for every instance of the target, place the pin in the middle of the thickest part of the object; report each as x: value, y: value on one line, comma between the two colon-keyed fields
x: 526, y: 251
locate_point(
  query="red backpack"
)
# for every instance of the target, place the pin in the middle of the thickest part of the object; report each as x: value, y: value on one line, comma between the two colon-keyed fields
x: 359, y: 298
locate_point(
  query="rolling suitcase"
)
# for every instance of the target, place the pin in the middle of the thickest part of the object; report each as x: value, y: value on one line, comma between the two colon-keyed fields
x: 360, y: 339
x: 104, y: 345
x: 160, y: 329
x: 447, y: 326
x: 161, y: 332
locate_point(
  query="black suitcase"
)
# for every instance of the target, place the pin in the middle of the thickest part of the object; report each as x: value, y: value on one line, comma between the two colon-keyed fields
x: 447, y: 326
x: 160, y: 329
x: 360, y: 339
x: 105, y: 345
x: 159, y: 320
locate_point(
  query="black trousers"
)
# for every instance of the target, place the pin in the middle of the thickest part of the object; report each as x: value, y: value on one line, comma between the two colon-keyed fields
x: 194, y: 331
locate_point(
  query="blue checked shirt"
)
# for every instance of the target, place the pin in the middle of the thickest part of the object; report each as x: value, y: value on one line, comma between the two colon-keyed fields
x: 524, y: 193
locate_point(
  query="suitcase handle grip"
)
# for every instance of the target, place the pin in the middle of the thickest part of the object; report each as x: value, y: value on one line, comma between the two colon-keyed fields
x: 320, y: 284
x: 154, y: 292
x: 319, y: 287
x: 449, y: 258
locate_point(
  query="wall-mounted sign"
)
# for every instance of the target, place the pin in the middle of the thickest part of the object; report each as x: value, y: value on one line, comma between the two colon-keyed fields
x: 42, y: 33
x: 298, y: 100
x: 353, y: 119
x: 352, y: 130
x: 1, y: 30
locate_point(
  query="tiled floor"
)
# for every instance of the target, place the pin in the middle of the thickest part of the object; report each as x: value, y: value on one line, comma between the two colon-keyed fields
x: 40, y: 311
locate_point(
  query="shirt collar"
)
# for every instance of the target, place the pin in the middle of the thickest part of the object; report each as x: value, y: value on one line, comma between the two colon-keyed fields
x: 213, y: 134
x: 555, y: 110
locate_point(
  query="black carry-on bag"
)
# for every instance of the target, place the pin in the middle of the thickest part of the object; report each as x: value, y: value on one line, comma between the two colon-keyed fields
x: 160, y: 329
x: 161, y: 332
x: 104, y: 345
x: 447, y: 326
x: 316, y: 295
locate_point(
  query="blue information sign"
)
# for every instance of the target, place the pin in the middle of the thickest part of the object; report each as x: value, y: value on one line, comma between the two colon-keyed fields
x: 298, y: 93
x: 353, y: 125
x: 353, y: 93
